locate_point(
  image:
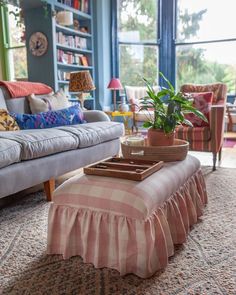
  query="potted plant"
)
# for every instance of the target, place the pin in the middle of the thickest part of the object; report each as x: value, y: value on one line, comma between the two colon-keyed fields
x: 169, y: 108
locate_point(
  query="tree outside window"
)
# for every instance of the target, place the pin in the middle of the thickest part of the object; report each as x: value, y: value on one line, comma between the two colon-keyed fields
x: 14, y: 44
x: 206, y: 43
x: 137, y: 41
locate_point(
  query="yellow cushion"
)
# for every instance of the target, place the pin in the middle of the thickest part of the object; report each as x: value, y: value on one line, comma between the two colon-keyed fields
x: 7, y: 123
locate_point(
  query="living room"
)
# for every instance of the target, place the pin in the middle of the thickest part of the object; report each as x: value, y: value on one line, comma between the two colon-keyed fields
x: 89, y: 203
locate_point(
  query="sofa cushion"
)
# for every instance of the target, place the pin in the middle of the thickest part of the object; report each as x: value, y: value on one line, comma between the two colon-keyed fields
x: 9, y: 152
x: 51, y: 102
x: 94, y: 133
x: 2, y: 100
x: 7, y: 123
x: 69, y: 116
x: 39, y: 143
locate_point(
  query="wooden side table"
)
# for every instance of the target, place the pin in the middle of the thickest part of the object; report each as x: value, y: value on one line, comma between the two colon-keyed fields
x: 126, y: 117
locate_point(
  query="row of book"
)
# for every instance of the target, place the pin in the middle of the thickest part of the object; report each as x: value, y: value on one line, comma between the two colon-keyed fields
x: 82, y: 5
x: 72, y: 58
x: 71, y: 41
x: 63, y: 76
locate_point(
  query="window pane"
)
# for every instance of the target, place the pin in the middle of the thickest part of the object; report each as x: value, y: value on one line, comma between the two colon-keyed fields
x: 16, y: 27
x: 137, y: 20
x: 205, y: 20
x: 136, y: 62
x: 18, y: 63
x: 207, y: 63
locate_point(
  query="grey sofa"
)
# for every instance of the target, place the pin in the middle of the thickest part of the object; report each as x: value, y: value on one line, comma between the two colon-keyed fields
x: 31, y: 157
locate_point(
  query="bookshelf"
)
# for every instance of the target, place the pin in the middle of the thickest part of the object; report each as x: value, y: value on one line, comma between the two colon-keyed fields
x: 74, y: 45
x: 70, y: 48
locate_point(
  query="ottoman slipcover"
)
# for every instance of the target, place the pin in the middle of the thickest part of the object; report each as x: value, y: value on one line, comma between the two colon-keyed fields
x: 127, y: 225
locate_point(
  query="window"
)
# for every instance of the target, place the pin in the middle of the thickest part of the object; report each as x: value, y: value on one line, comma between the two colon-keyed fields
x: 206, y: 42
x: 193, y: 41
x: 137, y: 41
x: 14, y: 44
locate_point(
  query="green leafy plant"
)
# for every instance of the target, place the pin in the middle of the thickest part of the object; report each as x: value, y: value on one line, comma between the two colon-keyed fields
x: 18, y: 14
x: 169, y: 107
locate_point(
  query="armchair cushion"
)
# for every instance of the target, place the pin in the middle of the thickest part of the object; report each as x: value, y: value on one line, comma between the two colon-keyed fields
x: 219, y: 90
x: 135, y: 93
x: 202, y: 102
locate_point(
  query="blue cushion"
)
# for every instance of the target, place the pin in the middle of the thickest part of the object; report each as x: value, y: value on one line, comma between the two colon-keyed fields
x: 69, y: 116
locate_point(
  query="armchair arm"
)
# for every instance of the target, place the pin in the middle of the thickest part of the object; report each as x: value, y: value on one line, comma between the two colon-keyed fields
x: 217, y: 116
x: 95, y: 116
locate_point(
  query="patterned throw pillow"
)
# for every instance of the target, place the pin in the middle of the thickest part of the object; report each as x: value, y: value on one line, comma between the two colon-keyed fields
x: 202, y: 102
x: 7, y: 123
x: 70, y: 116
x: 51, y: 102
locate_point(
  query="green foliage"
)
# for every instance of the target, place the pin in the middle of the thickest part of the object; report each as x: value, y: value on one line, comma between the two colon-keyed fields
x: 169, y: 107
x: 138, y: 16
x: 192, y: 64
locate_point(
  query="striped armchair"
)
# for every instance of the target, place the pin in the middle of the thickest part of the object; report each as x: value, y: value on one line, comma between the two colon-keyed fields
x: 207, y: 138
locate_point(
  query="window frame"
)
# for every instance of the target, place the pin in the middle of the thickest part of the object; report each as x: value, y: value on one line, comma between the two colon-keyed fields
x: 230, y: 97
x: 5, y: 48
x: 166, y: 40
x: 116, y: 43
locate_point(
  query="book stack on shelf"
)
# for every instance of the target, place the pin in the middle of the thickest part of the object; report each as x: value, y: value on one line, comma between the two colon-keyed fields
x: 72, y: 58
x: 71, y: 41
x: 63, y: 76
x: 82, y: 5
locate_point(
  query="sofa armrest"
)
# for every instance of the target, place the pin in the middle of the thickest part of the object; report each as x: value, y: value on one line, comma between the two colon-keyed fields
x: 217, y: 116
x: 95, y: 116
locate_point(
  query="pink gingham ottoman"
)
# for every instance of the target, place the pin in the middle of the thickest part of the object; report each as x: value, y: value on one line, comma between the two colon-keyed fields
x: 127, y: 225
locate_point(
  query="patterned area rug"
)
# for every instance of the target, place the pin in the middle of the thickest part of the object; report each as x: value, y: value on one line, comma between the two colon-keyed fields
x: 205, y: 264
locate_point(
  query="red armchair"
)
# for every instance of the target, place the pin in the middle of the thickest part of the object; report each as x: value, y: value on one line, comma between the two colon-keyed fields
x: 208, y: 138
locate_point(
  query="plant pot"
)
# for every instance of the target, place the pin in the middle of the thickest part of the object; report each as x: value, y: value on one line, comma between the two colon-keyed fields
x: 157, y: 137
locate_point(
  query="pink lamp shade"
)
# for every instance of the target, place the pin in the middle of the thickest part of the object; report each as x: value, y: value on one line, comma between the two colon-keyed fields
x: 115, y: 84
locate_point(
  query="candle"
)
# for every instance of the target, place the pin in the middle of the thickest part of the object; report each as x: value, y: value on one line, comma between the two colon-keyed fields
x: 135, y: 141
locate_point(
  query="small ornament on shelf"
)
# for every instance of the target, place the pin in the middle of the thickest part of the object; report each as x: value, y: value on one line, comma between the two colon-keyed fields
x: 76, y: 25
x: 84, y: 30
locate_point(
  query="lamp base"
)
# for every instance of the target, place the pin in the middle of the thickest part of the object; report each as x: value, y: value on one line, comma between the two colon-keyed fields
x: 81, y: 99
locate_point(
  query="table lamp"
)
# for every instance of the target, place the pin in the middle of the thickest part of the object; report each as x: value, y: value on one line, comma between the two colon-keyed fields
x: 79, y: 82
x: 114, y: 85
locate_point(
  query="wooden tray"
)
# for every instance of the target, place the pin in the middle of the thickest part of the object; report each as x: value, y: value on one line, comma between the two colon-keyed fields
x: 176, y: 152
x: 124, y: 168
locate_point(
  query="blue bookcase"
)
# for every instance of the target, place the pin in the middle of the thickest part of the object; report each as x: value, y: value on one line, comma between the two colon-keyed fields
x: 70, y: 48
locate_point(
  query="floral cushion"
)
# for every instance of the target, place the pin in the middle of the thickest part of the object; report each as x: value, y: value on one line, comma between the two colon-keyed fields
x: 69, y: 116
x: 7, y: 123
x: 202, y: 102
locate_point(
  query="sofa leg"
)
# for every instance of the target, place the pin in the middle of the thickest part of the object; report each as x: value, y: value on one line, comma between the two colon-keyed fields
x: 49, y: 187
x: 214, y: 161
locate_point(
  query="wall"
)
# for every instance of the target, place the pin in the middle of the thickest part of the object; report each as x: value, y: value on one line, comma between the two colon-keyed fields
x: 40, y: 68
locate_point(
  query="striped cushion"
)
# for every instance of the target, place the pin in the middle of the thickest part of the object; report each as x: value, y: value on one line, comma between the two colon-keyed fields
x: 193, y: 133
